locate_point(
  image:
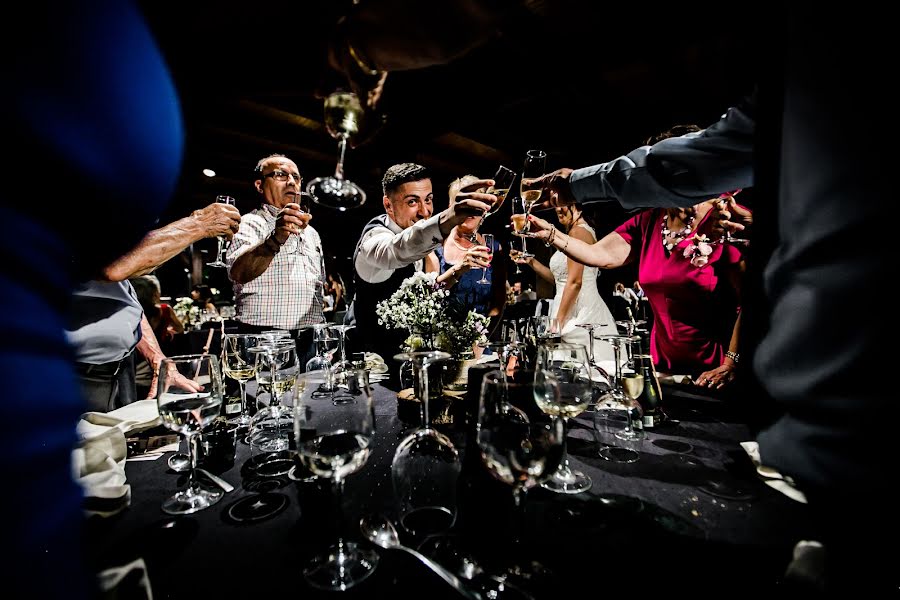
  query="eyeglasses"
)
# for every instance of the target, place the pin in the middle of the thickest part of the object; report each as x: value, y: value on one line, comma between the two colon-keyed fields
x: 283, y: 176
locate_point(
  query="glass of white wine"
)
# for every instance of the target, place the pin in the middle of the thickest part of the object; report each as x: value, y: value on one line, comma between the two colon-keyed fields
x: 563, y: 389
x: 343, y: 117
x: 520, y: 225
x: 189, y: 398
x: 276, y: 372
x: 535, y: 166
x: 503, y: 180
x: 239, y: 363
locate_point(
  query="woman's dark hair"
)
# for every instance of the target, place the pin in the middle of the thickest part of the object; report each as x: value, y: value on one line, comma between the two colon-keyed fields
x: 203, y: 290
x: 675, y: 131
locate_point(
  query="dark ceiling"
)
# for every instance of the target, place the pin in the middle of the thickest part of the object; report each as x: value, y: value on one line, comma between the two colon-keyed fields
x: 583, y: 80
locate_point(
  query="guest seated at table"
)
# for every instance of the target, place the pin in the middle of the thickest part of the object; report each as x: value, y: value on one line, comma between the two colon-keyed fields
x: 393, y: 245
x: 462, y: 263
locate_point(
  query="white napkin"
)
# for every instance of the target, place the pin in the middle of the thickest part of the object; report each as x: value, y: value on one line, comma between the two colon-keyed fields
x: 126, y: 581
x: 770, y: 476
x: 98, y: 464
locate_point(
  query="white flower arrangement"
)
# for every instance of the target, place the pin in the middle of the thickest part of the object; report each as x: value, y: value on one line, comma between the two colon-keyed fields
x: 432, y: 317
x: 185, y: 310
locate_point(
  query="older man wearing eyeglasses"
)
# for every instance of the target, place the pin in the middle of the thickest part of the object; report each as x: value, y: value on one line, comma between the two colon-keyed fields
x: 275, y: 259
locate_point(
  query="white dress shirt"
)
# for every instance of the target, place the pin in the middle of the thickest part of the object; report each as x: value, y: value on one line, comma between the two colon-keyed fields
x: 385, y: 249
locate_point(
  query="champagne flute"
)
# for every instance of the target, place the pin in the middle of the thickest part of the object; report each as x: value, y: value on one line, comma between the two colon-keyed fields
x: 343, y: 114
x: 489, y: 242
x: 535, y: 166
x: 219, y: 262
x: 520, y: 224
x: 503, y: 180
x: 189, y: 398
x: 334, y: 440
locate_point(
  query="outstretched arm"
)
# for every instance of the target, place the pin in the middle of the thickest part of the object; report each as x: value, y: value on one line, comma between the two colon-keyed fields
x: 161, y: 244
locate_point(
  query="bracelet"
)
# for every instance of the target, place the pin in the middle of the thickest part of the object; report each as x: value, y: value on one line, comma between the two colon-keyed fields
x: 734, y: 356
x: 551, y: 237
x: 272, y: 244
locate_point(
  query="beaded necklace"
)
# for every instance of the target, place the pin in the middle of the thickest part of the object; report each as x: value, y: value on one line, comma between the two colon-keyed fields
x: 671, y: 239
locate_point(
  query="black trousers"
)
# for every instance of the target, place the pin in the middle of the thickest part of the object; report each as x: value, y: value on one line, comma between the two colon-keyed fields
x: 108, y: 386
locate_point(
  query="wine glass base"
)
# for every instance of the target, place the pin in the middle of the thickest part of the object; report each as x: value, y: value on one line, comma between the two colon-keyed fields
x: 570, y: 482
x: 424, y: 521
x: 336, y: 193
x: 179, y: 462
x: 185, y: 502
x: 216, y: 263
x: 341, y: 568
x: 483, y: 281
x: 619, y: 455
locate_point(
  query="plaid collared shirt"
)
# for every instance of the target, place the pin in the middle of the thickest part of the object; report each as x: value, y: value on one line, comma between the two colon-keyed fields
x: 288, y: 294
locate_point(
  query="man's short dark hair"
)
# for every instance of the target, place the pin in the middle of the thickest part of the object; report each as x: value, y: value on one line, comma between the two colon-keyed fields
x: 397, y: 175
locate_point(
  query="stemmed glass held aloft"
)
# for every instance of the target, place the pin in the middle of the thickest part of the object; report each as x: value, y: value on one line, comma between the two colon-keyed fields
x: 503, y: 180
x: 343, y: 117
x: 219, y: 262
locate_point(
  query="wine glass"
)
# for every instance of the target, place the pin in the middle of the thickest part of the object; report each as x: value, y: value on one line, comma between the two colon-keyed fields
x: 503, y: 180
x: 520, y: 224
x: 520, y: 445
x: 325, y: 345
x: 489, y: 242
x: 343, y: 115
x: 426, y: 464
x: 334, y: 439
x: 618, y: 417
x: 276, y: 371
x: 239, y: 363
x: 535, y: 166
x: 343, y: 365
x: 727, y: 236
x: 221, y: 240
x: 189, y: 397
x: 562, y: 389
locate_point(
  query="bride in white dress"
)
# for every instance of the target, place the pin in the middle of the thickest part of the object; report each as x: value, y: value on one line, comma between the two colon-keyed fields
x: 577, y: 299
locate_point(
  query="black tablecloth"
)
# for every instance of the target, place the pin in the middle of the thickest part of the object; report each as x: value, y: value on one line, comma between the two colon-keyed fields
x: 689, y: 516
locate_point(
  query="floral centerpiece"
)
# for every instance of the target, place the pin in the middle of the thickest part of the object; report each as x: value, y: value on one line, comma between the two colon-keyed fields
x: 433, y: 318
x: 185, y: 310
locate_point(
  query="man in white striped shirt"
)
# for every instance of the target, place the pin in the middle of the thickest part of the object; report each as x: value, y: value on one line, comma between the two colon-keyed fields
x: 275, y: 259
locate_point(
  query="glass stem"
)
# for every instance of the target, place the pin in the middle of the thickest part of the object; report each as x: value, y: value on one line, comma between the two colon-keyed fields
x: 339, y: 169
x: 423, y: 392
x: 245, y: 410
x: 193, y: 444
x: 338, y: 486
x: 564, y: 468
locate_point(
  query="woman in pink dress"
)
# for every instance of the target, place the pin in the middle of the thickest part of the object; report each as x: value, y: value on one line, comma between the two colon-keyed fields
x: 691, y: 278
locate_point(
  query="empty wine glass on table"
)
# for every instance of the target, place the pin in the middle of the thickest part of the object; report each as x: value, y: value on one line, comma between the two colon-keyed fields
x: 562, y: 389
x: 342, y: 366
x: 343, y: 117
x: 426, y: 464
x: 334, y: 440
x: 189, y: 397
x: 520, y: 445
x: 219, y: 262
x: 239, y: 363
x: 326, y: 344
x: 489, y: 242
x: 503, y: 180
x: 618, y: 418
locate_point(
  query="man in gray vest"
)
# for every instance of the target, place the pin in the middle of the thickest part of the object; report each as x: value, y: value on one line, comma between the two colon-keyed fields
x: 392, y: 246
